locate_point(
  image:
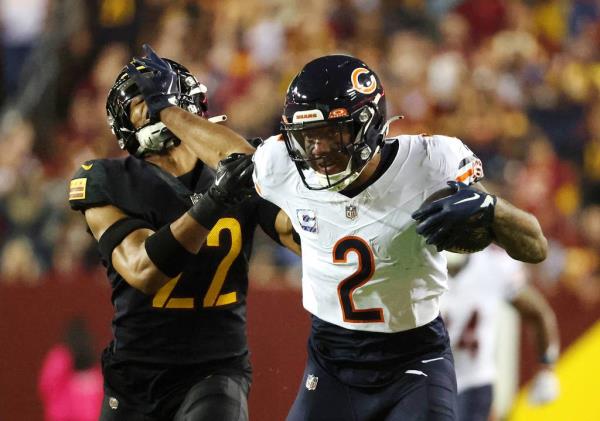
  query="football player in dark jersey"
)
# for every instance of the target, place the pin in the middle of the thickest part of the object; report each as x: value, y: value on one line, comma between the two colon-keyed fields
x: 176, y: 239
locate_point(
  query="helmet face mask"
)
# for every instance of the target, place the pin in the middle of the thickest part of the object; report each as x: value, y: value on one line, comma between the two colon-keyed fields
x: 337, y: 102
x: 153, y: 136
x: 323, y: 147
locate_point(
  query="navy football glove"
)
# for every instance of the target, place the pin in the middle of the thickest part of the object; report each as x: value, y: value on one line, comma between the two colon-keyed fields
x: 440, y: 220
x: 160, y: 87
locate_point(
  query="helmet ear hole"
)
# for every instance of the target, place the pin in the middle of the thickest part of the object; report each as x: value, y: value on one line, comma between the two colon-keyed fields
x: 364, y: 115
x: 365, y: 152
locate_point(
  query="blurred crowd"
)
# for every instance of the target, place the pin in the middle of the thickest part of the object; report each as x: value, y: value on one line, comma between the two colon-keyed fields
x: 517, y: 80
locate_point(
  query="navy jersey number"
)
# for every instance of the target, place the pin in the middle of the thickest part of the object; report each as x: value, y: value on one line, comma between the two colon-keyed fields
x: 362, y: 275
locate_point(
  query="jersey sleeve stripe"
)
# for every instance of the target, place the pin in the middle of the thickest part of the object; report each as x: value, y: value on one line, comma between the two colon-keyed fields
x: 464, y: 176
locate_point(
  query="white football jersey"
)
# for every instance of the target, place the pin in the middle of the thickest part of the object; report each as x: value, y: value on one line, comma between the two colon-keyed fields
x: 471, y: 308
x: 364, y: 267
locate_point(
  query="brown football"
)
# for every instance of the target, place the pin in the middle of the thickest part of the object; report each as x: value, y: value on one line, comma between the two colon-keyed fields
x: 468, y: 239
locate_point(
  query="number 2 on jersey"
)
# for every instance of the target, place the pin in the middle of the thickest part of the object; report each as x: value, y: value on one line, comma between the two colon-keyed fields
x: 213, y: 296
x: 346, y: 288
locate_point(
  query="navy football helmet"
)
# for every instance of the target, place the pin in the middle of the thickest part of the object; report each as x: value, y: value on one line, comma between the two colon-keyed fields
x: 153, y: 137
x: 338, y: 99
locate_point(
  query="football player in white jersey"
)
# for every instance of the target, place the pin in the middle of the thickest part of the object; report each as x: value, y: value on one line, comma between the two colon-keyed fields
x: 372, y: 271
x: 478, y: 284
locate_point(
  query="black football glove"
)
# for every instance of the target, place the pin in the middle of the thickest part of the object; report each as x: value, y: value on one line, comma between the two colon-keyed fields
x: 233, y: 184
x: 233, y: 180
x: 159, y: 87
x: 439, y: 220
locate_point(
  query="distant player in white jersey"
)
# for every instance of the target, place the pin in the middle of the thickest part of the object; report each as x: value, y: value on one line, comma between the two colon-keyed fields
x: 478, y: 285
x: 372, y: 276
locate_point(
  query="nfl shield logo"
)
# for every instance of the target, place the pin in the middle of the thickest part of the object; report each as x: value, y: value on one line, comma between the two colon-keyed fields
x: 195, y: 197
x: 311, y: 382
x: 351, y: 212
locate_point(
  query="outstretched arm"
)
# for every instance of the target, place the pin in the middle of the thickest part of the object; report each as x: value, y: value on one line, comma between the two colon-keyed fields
x: 537, y: 313
x: 130, y: 257
x: 210, y: 142
x: 148, y: 259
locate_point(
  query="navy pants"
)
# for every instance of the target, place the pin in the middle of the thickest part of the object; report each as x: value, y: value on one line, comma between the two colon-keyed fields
x: 426, y: 391
x: 475, y: 403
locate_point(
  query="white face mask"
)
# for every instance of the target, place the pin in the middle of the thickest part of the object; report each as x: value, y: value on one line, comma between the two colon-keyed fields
x: 326, y: 180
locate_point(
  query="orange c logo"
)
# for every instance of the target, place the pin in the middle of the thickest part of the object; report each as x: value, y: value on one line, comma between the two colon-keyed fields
x: 368, y: 86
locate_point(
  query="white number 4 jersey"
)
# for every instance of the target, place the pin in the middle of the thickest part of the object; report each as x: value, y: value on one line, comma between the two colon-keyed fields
x: 364, y: 267
x: 471, y: 309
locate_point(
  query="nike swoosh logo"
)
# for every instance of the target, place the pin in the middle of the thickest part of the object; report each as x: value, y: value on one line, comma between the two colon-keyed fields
x: 218, y: 179
x: 487, y: 202
x: 468, y: 199
x: 417, y: 372
x: 433, y: 359
x: 87, y: 167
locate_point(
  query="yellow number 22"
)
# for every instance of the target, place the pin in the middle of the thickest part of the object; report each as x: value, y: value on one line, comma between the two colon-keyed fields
x: 213, y: 296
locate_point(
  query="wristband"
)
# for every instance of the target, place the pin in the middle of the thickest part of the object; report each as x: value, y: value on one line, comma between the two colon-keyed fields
x: 207, y: 210
x: 167, y: 254
x: 116, y: 233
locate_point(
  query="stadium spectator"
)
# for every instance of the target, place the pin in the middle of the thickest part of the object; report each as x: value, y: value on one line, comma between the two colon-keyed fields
x: 70, y: 380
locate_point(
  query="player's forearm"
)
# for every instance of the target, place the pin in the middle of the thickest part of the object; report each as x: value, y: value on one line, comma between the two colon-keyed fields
x: 131, y: 261
x: 536, y: 312
x: 546, y: 332
x: 210, y: 142
x: 148, y: 267
x: 548, y: 342
x: 519, y: 233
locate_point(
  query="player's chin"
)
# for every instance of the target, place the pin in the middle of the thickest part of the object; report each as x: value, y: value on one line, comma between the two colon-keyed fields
x: 328, y: 168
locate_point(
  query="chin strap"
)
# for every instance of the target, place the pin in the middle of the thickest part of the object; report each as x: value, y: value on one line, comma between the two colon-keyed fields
x: 326, y: 180
x: 156, y: 137
x: 153, y: 138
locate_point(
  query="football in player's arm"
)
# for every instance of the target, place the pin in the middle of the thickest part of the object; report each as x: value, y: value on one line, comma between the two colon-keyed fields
x: 176, y: 238
x: 372, y: 278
